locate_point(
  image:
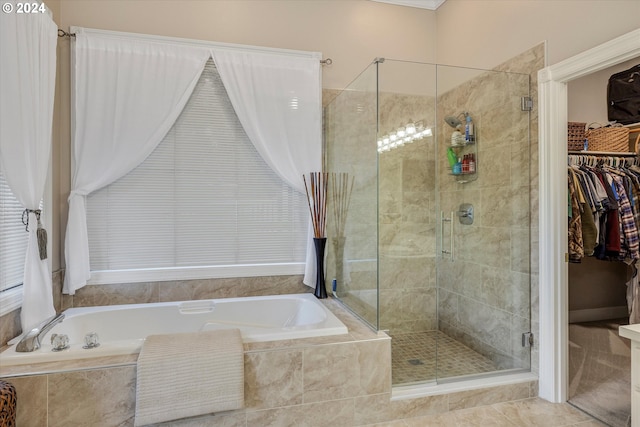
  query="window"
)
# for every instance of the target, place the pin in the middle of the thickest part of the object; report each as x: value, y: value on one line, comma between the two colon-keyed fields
x: 203, y: 204
x: 13, y: 247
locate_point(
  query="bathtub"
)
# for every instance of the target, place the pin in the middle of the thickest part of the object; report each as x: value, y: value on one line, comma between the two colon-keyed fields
x: 123, y: 328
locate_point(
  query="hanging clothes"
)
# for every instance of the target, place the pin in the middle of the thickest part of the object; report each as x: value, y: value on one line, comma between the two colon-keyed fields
x: 604, y: 212
x: 629, y: 234
x: 604, y: 215
x: 576, y: 246
x: 586, y: 225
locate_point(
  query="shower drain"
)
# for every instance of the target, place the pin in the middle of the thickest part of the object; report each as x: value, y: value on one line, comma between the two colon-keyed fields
x: 415, y: 362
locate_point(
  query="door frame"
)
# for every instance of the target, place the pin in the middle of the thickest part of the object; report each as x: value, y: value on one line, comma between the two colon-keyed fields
x: 553, y: 228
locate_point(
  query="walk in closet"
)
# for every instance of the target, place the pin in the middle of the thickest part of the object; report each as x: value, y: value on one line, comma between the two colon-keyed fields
x: 603, y: 214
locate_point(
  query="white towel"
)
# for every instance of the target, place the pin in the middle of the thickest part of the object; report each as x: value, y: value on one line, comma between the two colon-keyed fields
x: 184, y: 375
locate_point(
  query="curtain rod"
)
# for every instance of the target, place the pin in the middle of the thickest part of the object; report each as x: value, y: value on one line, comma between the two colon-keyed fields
x: 63, y: 33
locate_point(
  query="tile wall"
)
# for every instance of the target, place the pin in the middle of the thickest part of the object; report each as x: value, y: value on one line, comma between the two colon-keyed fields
x: 407, y: 200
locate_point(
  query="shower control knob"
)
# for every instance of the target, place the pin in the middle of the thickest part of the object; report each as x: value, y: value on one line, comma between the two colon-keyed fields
x: 91, y: 340
x: 59, y: 342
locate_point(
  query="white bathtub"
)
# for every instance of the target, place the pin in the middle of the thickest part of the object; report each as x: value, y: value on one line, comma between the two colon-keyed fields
x: 123, y: 328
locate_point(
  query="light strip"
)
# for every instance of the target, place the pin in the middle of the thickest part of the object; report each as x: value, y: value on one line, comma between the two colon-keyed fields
x: 406, y: 134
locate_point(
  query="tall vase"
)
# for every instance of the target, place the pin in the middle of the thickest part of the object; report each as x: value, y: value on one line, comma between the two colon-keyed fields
x: 321, y: 290
x: 338, y: 249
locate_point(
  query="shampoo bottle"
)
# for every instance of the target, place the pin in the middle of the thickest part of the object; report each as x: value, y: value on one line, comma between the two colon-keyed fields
x: 465, y: 164
x: 451, y: 157
x: 469, y: 136
x: 457, y: 168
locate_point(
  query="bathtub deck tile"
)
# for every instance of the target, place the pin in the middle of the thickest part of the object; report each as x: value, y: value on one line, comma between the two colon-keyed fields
x: 373, y: 409
x: 273, y: 379
x: 357, y: 329
x: 68, y: 365
x: 32, y: 400
x: 331, y: 372
x: 104, y: 397
x: 296, y: 343
x: 374, y: 362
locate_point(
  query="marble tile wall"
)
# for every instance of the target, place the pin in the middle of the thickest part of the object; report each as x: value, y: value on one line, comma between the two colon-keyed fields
x: 407, y: 201
x: 9, y: 326
x: 185, y: 290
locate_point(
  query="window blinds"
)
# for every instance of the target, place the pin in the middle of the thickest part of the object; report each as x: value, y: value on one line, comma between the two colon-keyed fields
x: 13, y: 238
x: 204, y: 197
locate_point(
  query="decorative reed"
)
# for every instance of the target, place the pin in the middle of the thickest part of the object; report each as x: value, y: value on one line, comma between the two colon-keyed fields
x: 341, y: 189
x: 317, y: 199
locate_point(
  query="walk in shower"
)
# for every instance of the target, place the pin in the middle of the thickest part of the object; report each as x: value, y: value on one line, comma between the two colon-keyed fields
x: 440, y: 260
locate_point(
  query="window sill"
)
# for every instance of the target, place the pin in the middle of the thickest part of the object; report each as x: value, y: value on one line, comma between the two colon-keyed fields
x: 107, y: 277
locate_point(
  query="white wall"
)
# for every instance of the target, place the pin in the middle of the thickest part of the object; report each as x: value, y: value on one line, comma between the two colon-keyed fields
x: 484, y: 33
x: 351, y: 32
x: 588, y: 95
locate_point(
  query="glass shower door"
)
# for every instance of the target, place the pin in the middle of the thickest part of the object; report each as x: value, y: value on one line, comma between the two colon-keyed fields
x: 483, y: 264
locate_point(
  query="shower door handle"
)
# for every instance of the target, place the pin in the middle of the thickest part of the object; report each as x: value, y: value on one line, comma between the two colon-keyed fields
x: 443, y: 219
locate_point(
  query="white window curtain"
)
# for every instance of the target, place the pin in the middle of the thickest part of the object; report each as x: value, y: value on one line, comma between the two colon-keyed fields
x: 28, y: 70
x: 277, y: 100
x: 203, y: 204
x: 128, y: 94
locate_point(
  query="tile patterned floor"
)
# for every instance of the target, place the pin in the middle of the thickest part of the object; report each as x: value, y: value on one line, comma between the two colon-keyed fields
x: 528, y: 412
x: 414, y: 359
x: 600, y: 371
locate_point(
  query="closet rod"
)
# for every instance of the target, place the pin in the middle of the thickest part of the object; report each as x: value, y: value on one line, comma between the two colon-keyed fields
x: 603, y: 153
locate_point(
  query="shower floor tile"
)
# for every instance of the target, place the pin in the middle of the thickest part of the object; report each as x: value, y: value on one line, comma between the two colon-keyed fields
x: 413, y: 358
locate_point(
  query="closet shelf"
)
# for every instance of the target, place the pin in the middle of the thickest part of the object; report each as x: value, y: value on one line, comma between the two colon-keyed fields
x: 603, y: 153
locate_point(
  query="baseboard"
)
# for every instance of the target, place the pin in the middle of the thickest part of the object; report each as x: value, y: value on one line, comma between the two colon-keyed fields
x: 594, y: 314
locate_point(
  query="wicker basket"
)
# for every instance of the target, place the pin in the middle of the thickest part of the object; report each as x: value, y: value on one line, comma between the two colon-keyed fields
x: 8, y: 402
x: 575, y: 135
x: 613, y: 138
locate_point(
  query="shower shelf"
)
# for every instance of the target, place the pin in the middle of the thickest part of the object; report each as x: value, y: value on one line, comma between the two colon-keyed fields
x: 461, y: 150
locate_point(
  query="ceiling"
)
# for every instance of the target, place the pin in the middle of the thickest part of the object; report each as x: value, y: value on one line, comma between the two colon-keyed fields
x: 422, y: 4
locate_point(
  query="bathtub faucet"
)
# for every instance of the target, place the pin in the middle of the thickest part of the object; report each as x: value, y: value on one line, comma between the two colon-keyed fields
x: 31, y: 340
